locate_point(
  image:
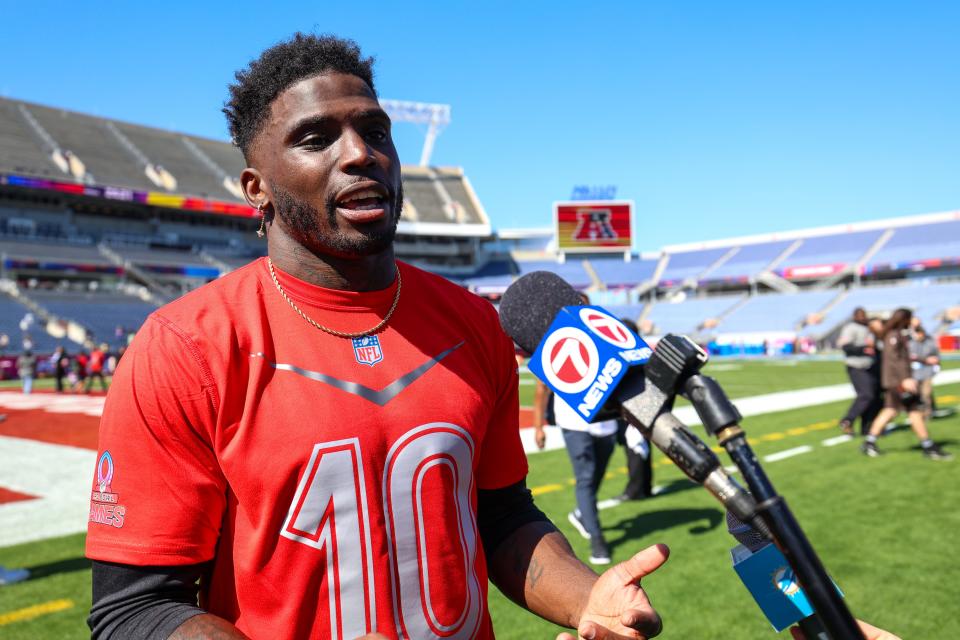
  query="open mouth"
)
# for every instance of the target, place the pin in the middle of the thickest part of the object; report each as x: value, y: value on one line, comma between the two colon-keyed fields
x: 363, y: 205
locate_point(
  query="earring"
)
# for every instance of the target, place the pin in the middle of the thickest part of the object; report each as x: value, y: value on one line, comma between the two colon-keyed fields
x: 263, y: 220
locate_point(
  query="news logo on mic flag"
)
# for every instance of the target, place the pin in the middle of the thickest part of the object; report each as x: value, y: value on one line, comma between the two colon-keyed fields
x: 584, y: 354
x: 771, y: 581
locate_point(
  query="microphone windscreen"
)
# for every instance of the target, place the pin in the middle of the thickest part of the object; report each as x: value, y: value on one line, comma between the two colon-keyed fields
x: 745, y: 534
x: 530, y: 304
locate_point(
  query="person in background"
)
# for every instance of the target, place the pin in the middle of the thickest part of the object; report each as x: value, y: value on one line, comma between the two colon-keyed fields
x: 79, y: 370
x: 925, y: 361
x: 858, y: 344
x: 639, y: 459
x: 27, y: 370
x: 902, y: 390
x: 95, y: 365
x: 589, y: 446
x: 61, y: 363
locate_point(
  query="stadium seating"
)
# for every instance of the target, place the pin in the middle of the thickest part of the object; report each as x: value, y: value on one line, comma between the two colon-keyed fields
x: 168, y: 150
x: 834, y: 249
x: 775, y: 312
x: 750, y: 260
x: 689, y: 315
x: 572, y: 270
x: 496, y: 274
x: 57, y: 252
x: 910, y: 245
x: 225, y: 155
x: 926, y: 300
x: 614, y: 272
x: 456, y: 186
x: 11, y: 313
x: 107, y: 161
x: 101, y: 313
x: 20, y: 150
x: 690, y: 264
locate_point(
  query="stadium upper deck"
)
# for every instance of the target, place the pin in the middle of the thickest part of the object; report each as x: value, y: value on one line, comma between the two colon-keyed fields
x: 164, y: 168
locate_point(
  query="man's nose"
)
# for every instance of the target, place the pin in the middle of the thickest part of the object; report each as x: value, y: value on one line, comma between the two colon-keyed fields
x: 355, y: 151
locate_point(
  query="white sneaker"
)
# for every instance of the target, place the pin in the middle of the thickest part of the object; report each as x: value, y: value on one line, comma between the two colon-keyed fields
x: 574, y: 518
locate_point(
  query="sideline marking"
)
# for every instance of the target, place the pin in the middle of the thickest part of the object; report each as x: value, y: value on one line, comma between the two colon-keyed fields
x: 35, y: 611
x: 832, y: 442
x: 789, y: 453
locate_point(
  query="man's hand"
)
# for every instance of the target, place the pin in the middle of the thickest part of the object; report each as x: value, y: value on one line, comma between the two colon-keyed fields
x: 909, y: 385
x: 618, y: 608
x: 870, y: 632
x: 539, y: 436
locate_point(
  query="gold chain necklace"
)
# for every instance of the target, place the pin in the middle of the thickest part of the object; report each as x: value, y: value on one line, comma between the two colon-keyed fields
x: 334, y: 332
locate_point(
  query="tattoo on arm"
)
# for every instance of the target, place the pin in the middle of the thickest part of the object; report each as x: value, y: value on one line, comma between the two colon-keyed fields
x: 534, y: 573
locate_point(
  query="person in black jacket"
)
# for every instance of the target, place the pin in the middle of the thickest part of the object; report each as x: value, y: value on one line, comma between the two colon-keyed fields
x: 859, y: 345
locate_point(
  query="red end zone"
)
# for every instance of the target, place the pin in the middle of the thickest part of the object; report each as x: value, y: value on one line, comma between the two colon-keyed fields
x: 72, y: 429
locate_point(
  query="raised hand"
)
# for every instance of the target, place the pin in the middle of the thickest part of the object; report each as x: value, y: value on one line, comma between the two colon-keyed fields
x: 618, y: 608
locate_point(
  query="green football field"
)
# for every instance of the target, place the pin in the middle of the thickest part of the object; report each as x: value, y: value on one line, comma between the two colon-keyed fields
x: 883, y: 528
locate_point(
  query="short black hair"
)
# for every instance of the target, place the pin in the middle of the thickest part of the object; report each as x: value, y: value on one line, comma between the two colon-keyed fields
x: 279, y: 67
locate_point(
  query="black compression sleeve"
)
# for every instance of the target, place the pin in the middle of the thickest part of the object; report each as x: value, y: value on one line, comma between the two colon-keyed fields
x: 142, y: 603
x: 500, y: 512
x: 851, y: 350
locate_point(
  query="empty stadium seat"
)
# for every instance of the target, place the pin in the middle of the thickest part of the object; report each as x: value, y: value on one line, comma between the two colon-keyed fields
x: 911, y: 245
x: 690, y: 264
x: 614, y: 272
x: 775, y: 311
x: 687, y: 316
x: 834, y: 249
x: 750, y: 260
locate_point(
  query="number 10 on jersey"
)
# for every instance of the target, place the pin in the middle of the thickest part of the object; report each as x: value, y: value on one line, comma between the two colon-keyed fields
x: 330, y: 512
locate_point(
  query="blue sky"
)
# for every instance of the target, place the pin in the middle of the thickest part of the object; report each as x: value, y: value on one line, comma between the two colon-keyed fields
x: 717, y: 119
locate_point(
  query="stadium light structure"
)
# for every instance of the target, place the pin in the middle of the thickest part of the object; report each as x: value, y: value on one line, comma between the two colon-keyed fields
x: 435, y: 116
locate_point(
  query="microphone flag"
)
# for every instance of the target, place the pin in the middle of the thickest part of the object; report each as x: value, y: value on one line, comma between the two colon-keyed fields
x: 584, y: 354
x: 768, y: 577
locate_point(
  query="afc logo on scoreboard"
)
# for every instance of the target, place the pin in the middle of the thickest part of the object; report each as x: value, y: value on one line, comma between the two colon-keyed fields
x: 599, y: 226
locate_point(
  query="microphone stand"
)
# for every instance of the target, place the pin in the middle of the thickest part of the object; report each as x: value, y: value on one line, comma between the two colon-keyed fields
x: 721, y: 419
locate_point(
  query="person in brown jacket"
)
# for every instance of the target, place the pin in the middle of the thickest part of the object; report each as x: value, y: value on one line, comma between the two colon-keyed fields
x: 902, y: 393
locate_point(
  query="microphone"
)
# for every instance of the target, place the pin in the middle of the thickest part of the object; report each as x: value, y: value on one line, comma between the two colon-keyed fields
x: 535, y: 310
x: 781, y: 599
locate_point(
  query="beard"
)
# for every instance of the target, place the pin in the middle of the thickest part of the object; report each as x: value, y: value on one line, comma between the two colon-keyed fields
x: 304, y: 222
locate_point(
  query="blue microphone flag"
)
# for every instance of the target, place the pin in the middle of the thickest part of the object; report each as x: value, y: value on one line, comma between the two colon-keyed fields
x: 584, y: 354
x: 768, y: 577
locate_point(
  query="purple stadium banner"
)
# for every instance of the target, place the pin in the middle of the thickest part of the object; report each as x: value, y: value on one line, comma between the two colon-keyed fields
x: 155, y: 198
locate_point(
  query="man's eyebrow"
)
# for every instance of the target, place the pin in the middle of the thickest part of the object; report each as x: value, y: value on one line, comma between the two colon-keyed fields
x: 309, y: 122
x: 372, y: 114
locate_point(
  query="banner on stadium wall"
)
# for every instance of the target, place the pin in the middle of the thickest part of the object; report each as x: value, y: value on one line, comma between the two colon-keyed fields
x: 813, y: 271
x: 601, y: 225
x: 156, y: 198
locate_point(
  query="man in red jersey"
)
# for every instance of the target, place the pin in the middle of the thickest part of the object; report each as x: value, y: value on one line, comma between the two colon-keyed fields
x: 324, y: 443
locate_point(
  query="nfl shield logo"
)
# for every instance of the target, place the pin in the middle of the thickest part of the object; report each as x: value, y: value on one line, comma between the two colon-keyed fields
x: 367, y: 350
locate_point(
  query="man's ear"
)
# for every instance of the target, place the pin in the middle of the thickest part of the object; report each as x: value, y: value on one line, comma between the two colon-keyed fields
x: 255, y: 189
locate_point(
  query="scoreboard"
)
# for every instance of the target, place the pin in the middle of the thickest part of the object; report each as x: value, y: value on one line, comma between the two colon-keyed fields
x: 594, y: 226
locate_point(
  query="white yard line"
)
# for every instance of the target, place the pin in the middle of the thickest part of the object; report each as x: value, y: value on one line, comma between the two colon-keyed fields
x: 832, y: 442
x: 788, y: 453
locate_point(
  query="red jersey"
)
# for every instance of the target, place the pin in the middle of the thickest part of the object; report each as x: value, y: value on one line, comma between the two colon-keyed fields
x: 332, y: 481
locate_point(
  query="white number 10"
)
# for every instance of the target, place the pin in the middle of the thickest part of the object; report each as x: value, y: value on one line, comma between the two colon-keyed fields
x: 330, y: 512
